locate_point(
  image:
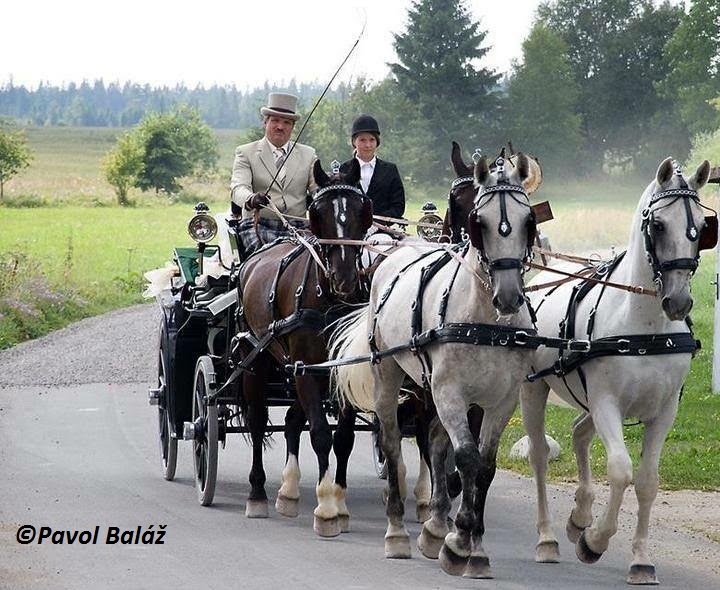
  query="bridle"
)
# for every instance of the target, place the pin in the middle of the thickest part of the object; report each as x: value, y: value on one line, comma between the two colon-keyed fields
x: 456, y: 236
x: 342, y: 219
x: 707, y: 238
x: 502, y: 191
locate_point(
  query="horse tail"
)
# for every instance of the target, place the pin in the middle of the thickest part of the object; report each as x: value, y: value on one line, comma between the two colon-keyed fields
x: 353, y: 384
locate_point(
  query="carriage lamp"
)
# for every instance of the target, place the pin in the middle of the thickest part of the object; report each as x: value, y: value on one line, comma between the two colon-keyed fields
x: 202, y: 227
x: 430, y: 218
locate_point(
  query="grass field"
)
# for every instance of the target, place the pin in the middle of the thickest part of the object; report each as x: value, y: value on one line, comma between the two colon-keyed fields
x: 71, y: 253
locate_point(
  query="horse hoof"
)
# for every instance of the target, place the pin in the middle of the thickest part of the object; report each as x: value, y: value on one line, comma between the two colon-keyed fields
x: 478, y: 567
x: 583, y: 551
x: 422, y: 512
x: 429, y: 544
x: 287, y: 506
x: 256, y: 509
x: 398, y: 547
x: 326, y: 527
x: 451, y: 563
x: 642, y: 575
x: 547, y: 552
x: 572, y: 530
x: 344, y: 523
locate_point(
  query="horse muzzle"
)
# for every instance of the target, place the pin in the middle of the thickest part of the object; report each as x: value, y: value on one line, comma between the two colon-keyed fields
x: 676, y: 298
x: 507, y: 296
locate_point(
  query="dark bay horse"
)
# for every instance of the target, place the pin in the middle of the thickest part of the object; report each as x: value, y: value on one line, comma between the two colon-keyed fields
x: 288, y: 299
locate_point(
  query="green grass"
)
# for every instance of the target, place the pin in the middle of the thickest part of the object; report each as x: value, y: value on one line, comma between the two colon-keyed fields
x: 81, y: 255
x: 66, y: 169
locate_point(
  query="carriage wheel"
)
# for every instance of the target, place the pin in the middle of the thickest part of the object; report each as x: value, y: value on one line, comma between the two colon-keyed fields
x: 205, y: 441
x: 168, y: 443
x: 378, y: 456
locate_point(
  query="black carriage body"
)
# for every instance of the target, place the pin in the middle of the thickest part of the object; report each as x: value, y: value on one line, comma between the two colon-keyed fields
x: 186, y: 339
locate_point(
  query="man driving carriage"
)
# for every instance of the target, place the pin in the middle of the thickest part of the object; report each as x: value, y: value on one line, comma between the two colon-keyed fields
x: 272, y: 169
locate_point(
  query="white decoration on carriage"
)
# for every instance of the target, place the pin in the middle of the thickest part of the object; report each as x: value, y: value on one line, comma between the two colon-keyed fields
x: 159, y: 279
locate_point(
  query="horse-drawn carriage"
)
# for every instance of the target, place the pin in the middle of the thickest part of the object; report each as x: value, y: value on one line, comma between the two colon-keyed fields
x: 206, y: 344
x: 211, y: 337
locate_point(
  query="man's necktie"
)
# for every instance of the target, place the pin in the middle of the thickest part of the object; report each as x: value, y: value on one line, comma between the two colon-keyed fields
x: 281, y: 158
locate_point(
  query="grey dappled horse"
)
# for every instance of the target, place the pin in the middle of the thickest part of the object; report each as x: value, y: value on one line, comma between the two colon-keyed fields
x: 665, y: 237
x: 488, y: 283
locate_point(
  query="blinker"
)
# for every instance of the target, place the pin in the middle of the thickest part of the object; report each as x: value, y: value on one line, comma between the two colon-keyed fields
x: 709, y: 234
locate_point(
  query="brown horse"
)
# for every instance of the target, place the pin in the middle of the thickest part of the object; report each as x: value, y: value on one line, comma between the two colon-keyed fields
x: 288, y: 300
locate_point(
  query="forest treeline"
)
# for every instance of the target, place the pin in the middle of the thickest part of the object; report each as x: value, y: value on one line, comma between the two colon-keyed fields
x: 602, y: 85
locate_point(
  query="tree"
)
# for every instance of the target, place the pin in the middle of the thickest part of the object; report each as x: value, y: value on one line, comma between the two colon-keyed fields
x: 174, y: 145
x: 123, y: 165
x: 541, y: 113
x: 693, y: 79
x: 438, y: 73
x: 615, y: 48
x: 15, y: 155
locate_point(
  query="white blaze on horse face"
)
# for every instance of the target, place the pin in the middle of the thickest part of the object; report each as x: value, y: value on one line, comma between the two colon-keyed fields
x: 340, y: 208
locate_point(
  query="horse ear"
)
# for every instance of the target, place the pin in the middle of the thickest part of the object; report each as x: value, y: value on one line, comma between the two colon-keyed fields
x: 482, y: 172
x: 522, y: 167
x: 461, y: 169
x: 664, y: 171
x: 353, y: 175
x: 321, y: 179
x: 700, y: 178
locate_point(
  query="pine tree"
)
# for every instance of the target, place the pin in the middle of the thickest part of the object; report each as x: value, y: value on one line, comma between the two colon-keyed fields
x: 438, y: 72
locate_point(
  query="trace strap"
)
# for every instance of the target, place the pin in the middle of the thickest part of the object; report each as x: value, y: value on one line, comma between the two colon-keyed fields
x: 476, y: 334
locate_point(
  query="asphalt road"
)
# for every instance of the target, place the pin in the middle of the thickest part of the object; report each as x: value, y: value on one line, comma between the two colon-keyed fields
x: 77, y: 457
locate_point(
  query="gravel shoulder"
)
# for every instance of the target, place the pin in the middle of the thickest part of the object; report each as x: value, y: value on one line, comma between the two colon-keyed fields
x: 120, y: 347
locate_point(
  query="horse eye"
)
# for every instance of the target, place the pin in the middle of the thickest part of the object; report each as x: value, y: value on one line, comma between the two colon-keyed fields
x: 658, y: 226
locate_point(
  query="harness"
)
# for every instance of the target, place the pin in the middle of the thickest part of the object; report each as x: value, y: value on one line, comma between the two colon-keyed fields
x: 630, y: 344
x: 623, y: 345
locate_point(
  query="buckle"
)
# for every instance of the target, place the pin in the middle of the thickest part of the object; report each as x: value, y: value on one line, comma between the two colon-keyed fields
x: 577, y: 345
x: 623, y: 345
x: 521, y: 337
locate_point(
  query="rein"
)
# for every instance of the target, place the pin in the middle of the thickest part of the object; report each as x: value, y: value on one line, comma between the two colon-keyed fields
x: 573, y: 276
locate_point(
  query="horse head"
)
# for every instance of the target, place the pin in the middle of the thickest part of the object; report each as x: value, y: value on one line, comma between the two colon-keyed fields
x: 461, y: 198
x: 674, y: 230
x: 340, y: 211
x: 502, y: 228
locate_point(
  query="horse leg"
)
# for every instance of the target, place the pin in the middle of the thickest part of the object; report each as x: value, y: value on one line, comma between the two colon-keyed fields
x: 533, y: 398
x: 256, y: 418
x: 642, y: 570
x: 388, y: 378
x: 435, y: 529
x: 475, y: 419
x: 581, y: 515
x: 452, y: 411
x: 594, y: 540
x: 423, y: 487
x: 288, y: 496
x: 494, y: 423
x: 310, y: 390
x: 343, y: 442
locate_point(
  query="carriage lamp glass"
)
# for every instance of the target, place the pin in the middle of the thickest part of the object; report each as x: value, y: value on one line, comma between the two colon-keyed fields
x: 202, y: 228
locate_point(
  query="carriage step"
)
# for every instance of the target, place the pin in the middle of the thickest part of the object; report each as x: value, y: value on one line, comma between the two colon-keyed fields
x: 154, y: 395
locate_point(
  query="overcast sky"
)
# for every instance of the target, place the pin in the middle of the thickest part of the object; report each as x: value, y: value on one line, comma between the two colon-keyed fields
x: 243, y: 42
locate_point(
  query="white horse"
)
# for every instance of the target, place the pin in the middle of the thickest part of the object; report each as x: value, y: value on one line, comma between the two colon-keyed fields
x: 468, y: 298
x: 638, y: 381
